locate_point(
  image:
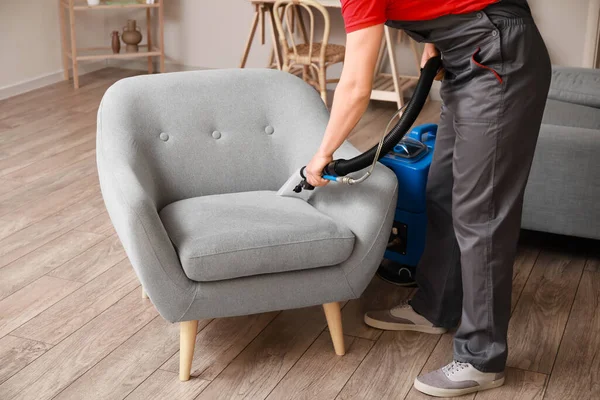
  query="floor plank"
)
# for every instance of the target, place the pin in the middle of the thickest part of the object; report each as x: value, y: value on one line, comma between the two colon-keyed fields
x: 24, y: 154
x: 34, y: 236
x: 20, y: 124
x: 220, y: 342
x: 519, y: 385
x: 16, y: 353
x: 60, y: 366
x: 524, y: 262
x: 320, y: 373
x: 129, y: 365
x: 260, y: 367
x: 67, y: 125
x: 391, y: 366
x: 576, y: 374
x: 37, y: 191
x: 101, y: 224
x: 62, y: 91
x: 163, y: 385
x: 63, y: 159
x: 39, y: 262
x: 6, y: 186
x: 28, y: 302
x: 539, y: 319
x: 71, y: 313
x: 58, y: 200
x: 92, y: 262
x: 378, y: 295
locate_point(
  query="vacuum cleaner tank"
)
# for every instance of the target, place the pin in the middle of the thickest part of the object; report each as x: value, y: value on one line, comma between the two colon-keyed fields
x: 410, y: 160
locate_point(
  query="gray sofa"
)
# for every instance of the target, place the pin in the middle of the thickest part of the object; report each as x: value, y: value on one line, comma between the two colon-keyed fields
x: 563, y: 192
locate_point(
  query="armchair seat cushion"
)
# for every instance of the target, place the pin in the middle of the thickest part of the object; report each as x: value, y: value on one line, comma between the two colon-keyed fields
x: 229, y: 236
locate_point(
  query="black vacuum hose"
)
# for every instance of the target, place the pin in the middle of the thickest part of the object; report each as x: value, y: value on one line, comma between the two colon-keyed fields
x: 343, y: 167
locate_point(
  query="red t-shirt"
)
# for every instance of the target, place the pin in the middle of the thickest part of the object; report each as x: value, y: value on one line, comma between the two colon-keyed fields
x: 359, y: 14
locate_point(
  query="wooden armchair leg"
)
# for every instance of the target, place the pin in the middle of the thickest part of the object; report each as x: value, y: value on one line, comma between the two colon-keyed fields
x: 333, y: 314
x: 187, y: 342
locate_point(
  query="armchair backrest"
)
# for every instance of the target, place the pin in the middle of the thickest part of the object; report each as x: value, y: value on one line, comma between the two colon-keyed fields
x: 196, y: 133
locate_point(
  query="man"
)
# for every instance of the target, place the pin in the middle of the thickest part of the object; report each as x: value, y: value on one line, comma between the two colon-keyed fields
x: 497, y: 76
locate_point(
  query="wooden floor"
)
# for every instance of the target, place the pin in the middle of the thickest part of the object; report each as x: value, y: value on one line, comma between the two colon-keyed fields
x: 73, y: 324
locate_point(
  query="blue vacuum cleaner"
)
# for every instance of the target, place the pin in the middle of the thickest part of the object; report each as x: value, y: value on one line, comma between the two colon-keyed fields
x: 409, y: 156
x: 410, y: 160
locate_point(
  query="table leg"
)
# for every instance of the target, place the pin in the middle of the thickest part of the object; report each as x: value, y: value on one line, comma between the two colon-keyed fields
x: 394, y: 69
x: 380, y: 57
x: 250, y: 37
x: 149, y: 33
x: 63, y: 40
x: 261, y: 19
x: 161, y: 33
x: 73, y: 45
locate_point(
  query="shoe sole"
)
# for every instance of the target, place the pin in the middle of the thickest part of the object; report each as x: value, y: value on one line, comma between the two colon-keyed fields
x: 440, y: 392
x: 393, y: 326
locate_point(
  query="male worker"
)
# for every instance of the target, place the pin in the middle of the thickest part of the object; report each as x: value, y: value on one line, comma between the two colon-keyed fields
x: 497, y: 76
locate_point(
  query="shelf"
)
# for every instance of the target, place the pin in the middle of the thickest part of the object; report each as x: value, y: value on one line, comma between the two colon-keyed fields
x: 82, y: 5
x: 103, y: 53
x: 383, y: 86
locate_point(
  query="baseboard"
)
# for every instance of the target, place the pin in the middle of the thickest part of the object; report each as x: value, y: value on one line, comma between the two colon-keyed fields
x: 45, y: 80
x: 142, y: 65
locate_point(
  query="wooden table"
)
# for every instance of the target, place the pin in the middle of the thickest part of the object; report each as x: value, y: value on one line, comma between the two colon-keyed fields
x: 386, y: 86
x: 71, y: 51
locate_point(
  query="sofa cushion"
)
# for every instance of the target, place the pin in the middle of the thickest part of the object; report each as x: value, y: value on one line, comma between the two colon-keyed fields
x: 233, y: 235
x: 568, y: 114
x: 576, y: 85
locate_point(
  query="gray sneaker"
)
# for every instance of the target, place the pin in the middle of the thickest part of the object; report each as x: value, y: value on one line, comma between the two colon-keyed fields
x: 457, y: 379
x: 401, y: 318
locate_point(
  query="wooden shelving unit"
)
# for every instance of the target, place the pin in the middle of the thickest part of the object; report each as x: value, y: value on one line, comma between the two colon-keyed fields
x: 71, y: 52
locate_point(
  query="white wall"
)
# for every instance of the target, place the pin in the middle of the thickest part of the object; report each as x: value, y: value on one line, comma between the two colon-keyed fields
x: 563, y: 24
x: 30, y: 42
x: 212, y: 33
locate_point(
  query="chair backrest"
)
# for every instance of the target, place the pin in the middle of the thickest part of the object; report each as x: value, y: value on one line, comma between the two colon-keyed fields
x: 288, y: 11
x: 207, y: 132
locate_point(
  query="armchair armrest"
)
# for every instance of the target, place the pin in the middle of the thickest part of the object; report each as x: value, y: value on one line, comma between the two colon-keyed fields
x: 126, y: 188
x: 367, y: 209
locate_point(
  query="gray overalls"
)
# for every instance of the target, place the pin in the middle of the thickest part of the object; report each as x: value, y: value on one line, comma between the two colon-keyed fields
x: 493, y: 95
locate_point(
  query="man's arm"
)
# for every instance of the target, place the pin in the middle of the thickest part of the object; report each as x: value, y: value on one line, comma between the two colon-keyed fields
x: 351, y: 97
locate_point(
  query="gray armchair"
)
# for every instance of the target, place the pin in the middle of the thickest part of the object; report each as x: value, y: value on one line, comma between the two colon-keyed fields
x: 189, y: 165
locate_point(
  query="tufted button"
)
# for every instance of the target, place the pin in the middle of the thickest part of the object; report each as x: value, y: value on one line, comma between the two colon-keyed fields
x: 494, y: 33
x: 479, y: 15
x: 269, y: 130
x: 216, y: 135
x: 164, y: 136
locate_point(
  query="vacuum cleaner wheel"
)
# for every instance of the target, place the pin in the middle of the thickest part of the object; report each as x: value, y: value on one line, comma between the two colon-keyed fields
x: 397, y: 274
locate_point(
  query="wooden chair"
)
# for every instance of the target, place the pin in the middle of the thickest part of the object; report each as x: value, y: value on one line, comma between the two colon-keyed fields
x: 313, y: 57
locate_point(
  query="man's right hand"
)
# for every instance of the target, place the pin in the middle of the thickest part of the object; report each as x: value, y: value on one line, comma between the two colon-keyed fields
x: 315, y: 167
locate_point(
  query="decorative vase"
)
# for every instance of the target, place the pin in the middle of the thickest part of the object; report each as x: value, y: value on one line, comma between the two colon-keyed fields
x: 131, y: 36
x: 116, y: 42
